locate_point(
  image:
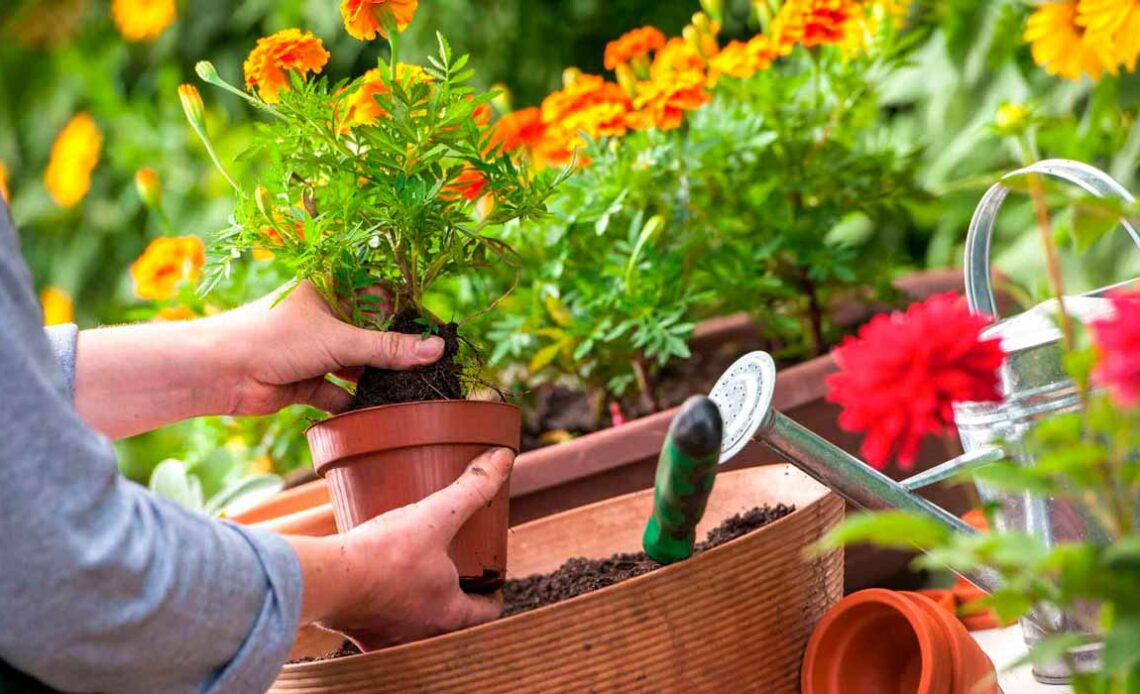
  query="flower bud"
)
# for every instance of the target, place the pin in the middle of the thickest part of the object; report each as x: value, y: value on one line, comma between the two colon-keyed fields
x: 714, y: 8
x: 208, y: 72
x: 502, y: 100
x: 626, y: 78
x: 148, y: 187
x: 192, y: 106
x: 263, y: 200
x: 1011, y: 119
x: 570, y: 75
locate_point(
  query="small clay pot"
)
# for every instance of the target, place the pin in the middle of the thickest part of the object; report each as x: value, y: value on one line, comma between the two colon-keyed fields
x: 295, y: 500
x: 382, y: 458
x: 879, y: 640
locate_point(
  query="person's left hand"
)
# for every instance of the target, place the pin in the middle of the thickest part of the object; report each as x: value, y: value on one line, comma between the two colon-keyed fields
x: 285, y: 351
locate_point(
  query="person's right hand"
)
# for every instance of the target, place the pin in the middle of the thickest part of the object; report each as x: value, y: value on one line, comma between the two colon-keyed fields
x: 390, y: 580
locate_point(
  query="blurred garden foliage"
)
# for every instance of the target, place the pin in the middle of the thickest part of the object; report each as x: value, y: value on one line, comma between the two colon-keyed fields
x: 967, y: 103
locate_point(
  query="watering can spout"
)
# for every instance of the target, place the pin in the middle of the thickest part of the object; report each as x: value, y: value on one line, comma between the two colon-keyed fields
x: 744, y: 396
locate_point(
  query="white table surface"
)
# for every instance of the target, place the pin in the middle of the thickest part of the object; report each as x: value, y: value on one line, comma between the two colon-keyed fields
x: 1004, y: 646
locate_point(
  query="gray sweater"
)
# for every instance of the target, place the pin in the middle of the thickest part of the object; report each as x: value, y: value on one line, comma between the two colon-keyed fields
x: 103, y: 586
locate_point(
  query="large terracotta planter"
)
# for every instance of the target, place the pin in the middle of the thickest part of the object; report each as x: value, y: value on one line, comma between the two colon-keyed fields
x: 882, y: 641
x: 382, y: 458
x: 737, y: 616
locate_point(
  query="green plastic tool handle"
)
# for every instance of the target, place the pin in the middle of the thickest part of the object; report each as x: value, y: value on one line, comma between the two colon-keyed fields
x: 686, y: 471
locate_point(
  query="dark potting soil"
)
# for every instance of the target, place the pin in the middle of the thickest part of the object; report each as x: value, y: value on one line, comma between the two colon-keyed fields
x: 439, y: 381
x: 579, y: 575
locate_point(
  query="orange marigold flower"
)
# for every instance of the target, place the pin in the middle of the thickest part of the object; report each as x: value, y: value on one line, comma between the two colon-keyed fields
x: 587, y: 104
x: 813, y: 23
x: 677, y: 55
x: 57, y: 306
x: 4, y: 192
x: 633, y: 45
x: 73, y: 158
x: 363, y: 19
x: 166, y: 263
x: 361, y: 107
x: 523, y: 129
x: 143, y: 20
x: 1115, y: 23
x: 742, y: 60
x: 469, y: 185
x: 175, y: 313
x: 1060, y: 46
x: 288, y: 50
x: 666, y: 100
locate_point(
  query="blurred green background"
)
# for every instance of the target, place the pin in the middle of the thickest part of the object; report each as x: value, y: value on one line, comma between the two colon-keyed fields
x: 62, y: 57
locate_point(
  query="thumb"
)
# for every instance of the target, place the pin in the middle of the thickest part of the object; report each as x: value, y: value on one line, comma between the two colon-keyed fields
x: 351, y: 346
x: 474, y: 489
x: 473, y: 610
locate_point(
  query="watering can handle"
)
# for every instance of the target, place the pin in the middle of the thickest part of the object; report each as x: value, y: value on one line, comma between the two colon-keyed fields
x: 979, y: 289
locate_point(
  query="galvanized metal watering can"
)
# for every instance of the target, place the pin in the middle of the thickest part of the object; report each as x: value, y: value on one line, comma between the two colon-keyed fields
x: 1034, y: 386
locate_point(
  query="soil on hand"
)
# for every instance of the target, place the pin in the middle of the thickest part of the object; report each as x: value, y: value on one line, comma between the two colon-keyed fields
x: 439, y: 381
x: 579, y: 576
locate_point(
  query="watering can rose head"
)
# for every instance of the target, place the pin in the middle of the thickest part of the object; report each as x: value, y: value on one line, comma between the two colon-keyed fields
x: 900, y: 376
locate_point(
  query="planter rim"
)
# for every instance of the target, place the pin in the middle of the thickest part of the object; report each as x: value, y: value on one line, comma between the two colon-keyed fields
x: 330, y: 449
x: 814, y: 506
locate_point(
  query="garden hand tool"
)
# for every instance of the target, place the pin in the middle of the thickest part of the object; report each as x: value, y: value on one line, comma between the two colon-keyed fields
x: 1035, y: 385
x: 686, y: 470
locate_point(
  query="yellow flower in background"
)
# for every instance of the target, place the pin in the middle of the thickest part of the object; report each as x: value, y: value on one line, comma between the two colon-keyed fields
x: 1115, y: 22
x: 289, y: 50
x: 143, y: 20
x: 1060, y: 46
x: 57, y: 306
x: 148, y: 187
x: 1011, y: 118
x: 73, y: 158
x: 262, y: 464
x: 742, y: 60
x: 363, y: 19
x: 677, y: 55
x: 4, y: 193
x: 262, y: 254
x: 166, y: 263
x: 175, y: 313
x: 814, y: 23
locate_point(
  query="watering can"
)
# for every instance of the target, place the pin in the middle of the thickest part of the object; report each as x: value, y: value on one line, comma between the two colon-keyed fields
x: 1034, y: 385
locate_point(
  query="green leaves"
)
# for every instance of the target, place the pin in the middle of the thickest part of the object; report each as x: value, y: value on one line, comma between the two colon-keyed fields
x: 888, y: 529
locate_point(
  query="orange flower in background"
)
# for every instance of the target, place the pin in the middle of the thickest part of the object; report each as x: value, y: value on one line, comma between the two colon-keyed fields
x: 166, y: 263
x: 587, y: 104
x: 1113, y: 22
x: 143, y: 20
x: 1061, y: 47
x: 4, y: 193
x: 175, y: 313
x: 73, y: 158
x: 665, y: 100
x: 633, y: 45
x: 289, y: 50
x: 469, y: 185
x: 363, y: 19
x: 361, y: 107
x: 523, y: 128
x: 57, y: 306
x: 742, y: 60
x: 813, y: 23
x: 677, y: 55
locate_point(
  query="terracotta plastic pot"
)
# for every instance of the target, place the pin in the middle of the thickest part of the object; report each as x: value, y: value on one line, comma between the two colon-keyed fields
x: 882, y: 641
x: 295, y: 500
x: 734, y: 618
x: 382, y: 458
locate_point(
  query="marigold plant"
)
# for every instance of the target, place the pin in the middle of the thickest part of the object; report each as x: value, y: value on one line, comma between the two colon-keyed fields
x: 165, y: 264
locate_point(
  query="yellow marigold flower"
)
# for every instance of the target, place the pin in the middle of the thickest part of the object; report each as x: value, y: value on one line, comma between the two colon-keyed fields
x: 742, y: 60
x: 1116, y: 22
x: 4, y: 193
x: 814, y: 23
x: 166, y: 263
x: 363, y: 19
x: 677, y: 55
x: 57, y: 306
x: 73, y: 158
x: 665, y: 100
x: 1060, y: 46
x: 633, y: 45
x: 175, y: 313
x: 288, y: 50
x: 143, y: 20
x: 589, y: 104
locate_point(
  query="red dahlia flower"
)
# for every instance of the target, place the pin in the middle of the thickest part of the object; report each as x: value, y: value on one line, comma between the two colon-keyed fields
x: 1117, y: 341
x: 899, y: 378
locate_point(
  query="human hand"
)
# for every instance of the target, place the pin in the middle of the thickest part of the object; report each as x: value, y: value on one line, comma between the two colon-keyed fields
x: 390, y: 580
x: 285, y: 351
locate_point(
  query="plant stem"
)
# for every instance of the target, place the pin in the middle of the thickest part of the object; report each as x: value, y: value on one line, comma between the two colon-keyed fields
x: 645, y: 385
x: 815, y: 312
x: 1052, y: 262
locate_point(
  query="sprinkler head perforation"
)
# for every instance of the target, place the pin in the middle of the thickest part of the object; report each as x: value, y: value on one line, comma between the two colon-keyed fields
x: 743, y: 394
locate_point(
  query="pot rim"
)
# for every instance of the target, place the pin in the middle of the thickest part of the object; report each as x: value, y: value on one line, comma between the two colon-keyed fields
x: 342, y: 416
x: 815, y: 507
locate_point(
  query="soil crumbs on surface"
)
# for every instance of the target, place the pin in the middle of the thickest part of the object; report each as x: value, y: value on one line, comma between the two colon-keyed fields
x: 439, y: 381
x: 579, y: 576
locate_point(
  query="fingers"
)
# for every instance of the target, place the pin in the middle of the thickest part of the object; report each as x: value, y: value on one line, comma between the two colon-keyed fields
x: 473, y: 610
x: 351, y: 347
x: 328, y: 396
x: 475, y: 488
